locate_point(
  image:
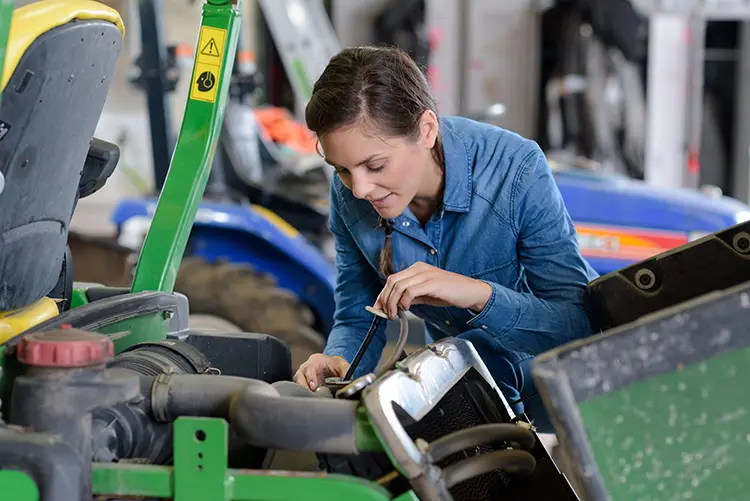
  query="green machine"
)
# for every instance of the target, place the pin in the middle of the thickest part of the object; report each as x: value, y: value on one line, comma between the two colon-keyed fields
x: 107, y: 393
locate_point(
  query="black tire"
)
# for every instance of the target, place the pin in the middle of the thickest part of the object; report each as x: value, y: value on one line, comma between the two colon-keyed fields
x: 252, y: 301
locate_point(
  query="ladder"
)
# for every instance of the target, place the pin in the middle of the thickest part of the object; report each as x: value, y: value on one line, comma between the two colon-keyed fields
x: 305, y: 39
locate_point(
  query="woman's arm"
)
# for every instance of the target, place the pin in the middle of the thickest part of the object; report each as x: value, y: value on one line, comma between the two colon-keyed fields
x: 357, y: 286
x: 556, y: 272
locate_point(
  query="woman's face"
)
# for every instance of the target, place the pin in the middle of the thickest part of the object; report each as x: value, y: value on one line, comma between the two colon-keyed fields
x: 388, y: 172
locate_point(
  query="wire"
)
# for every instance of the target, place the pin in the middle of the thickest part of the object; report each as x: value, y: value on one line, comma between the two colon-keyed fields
x: 403, y: 335
x: 363, y: 348
x: 510, y: 461
x: 523, y: 399
x: 479, y: 435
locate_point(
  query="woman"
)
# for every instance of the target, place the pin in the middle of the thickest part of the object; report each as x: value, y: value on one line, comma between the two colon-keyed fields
x: 457, y: 221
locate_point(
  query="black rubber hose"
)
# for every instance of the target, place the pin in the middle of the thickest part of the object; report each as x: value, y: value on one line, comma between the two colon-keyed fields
x: 514, y: 462
x: 178, y: 395
x: 320, y: 425
x: 259, y: 413
x: 290, y: 389
x: 479, y: 435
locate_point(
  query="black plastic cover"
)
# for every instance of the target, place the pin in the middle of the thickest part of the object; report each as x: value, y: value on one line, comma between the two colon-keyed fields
x: 248, y: 355
x: 108, y: 311
x: 101, y: 161
x: 712, y: 263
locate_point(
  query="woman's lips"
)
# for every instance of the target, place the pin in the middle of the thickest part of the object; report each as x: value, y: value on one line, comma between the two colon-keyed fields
x: 382, y: 201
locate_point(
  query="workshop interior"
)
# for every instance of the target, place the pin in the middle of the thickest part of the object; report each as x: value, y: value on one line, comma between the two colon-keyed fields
x: 166, y: 262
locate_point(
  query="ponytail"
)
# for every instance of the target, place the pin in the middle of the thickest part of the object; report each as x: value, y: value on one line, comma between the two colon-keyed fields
x: 386, y: 255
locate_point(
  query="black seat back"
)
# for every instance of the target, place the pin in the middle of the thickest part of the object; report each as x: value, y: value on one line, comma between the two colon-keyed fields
x: 59, y: 65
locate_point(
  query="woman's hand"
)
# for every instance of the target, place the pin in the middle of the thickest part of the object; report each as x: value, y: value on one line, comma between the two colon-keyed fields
x: 422, y: 283
x: 313, y: 372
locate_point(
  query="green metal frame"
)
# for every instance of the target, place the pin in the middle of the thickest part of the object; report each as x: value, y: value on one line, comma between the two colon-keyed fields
x: 183, y: 189
x: 200, y: 472
x: 6, y: 14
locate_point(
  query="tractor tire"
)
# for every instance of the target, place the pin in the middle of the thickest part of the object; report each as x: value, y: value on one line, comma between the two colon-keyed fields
x: 250, y: 300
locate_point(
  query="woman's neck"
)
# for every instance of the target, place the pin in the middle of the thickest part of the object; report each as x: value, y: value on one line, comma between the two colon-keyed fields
x: 430, y: 195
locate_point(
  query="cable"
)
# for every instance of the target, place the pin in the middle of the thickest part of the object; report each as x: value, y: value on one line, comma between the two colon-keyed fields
x: 523, y: 399
x: 362, y: 348
x: 403, y: 335
x: 511, y: 461
x: 479, y: 435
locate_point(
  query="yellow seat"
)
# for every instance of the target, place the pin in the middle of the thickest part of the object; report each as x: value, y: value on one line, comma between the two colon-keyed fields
x: 59, y: 63
x: 15, y: 322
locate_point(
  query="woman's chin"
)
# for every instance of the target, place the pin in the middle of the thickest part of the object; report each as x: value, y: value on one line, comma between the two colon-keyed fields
x: 388, y: 212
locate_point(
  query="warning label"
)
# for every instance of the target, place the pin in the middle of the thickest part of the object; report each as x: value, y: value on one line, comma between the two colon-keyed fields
x: 208, y: 64
x: 210, y: 49
x: 205, y: 82
x: 211, y: 45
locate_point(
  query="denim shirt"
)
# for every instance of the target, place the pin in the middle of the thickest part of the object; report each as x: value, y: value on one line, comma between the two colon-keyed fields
x: 502, y: 221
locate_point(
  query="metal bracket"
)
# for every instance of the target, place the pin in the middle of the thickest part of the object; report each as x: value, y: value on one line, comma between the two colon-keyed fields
x: 200, y: 460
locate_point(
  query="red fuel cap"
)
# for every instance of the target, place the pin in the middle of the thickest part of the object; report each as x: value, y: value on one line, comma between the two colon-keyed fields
x: 65, y: 348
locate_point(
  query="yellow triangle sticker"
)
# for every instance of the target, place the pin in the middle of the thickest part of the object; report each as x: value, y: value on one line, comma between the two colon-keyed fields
x: 210, y: 49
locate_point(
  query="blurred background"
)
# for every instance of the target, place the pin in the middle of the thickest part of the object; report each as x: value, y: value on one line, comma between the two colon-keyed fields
x: 643, y: 108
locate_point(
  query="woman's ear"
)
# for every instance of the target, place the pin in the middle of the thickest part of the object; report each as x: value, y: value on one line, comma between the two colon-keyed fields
x: 429, y: 128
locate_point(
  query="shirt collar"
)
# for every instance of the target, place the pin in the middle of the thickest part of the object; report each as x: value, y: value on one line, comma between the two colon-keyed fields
x: 458, y: 178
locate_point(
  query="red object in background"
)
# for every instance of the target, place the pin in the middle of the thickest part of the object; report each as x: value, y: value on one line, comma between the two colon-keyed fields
x: 282, y: 128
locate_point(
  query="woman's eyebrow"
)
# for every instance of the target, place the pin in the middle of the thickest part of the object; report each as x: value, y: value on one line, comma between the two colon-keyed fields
x: 367, y: 160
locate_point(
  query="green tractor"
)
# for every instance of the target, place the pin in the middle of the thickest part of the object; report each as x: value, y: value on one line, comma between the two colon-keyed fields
x: 108, y: 393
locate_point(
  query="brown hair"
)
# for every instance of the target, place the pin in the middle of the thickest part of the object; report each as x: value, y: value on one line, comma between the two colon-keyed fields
x: 381, y: 86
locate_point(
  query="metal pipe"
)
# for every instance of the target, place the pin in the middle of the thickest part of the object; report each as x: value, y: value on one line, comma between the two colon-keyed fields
x: 478, y: 435
x: 514, y: 462
x: 396, y: 355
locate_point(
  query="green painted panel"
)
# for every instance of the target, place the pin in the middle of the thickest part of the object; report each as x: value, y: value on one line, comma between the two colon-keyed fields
x: 141, y: 329
x: 123, y: 479
x: 684, y: 435
x: 17, y: 486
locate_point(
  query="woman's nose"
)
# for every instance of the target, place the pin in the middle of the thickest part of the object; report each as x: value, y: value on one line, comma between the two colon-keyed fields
x: 361, y: 187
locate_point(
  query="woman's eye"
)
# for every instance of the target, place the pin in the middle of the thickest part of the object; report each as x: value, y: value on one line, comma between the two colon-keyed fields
x: 375, y: 169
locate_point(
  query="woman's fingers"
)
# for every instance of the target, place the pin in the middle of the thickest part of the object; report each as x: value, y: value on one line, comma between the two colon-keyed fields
x: 414, y: 294
x: 403, y: 293
x: 385, y: 295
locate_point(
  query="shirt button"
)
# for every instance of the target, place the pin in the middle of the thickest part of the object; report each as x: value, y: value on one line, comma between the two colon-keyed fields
x: 432, y: 251
x: 484, y: 327
x: 405, y: 223
x: 447, y: 322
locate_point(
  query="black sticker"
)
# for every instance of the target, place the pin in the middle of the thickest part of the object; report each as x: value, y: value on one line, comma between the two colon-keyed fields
x: 206, y: 81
